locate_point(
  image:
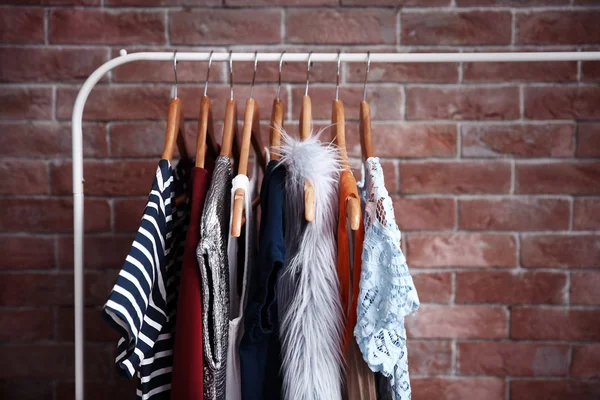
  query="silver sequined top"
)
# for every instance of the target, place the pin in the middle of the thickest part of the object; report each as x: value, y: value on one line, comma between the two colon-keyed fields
x: 214, y: 269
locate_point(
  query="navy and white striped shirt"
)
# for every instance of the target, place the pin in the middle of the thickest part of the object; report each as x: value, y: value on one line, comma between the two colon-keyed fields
x: 143, y: 301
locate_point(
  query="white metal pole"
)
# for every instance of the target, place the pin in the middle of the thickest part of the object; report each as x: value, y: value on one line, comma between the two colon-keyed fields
x: 125, y: 58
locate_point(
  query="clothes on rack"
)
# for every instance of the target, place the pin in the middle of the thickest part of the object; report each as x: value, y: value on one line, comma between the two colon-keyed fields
x: 260, y: 348
x: 141, y: 306
x: 387, y: 292
x: 308, y: 309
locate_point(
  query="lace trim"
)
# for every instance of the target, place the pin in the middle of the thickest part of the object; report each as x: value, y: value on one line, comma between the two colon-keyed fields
x: 387, y: 292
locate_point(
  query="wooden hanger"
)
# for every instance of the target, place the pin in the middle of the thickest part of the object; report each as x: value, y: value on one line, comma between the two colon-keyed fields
x: 250, y: 136
x: 230, y: 120
x: 353, y: 213
x: 366, y: 140
x: 276, y: 119
x: 175, y: 125
x: 205, y: 134
x: 305, y: 129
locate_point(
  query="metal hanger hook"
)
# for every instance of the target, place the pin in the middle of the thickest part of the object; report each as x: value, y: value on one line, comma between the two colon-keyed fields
x: 254, y: 73
x: 367, y: 75
x: 231, y: 74
x: 279, y: 80
x: 208, y: 71
x: 337, y: 79
x: 175, y: 72
x: 308, y: 72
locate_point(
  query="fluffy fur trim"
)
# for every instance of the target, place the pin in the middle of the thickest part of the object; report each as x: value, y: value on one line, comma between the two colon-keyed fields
x: 308, y: 289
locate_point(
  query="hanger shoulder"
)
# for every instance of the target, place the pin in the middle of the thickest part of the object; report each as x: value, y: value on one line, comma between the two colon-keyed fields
x: 256, y: 139
x: 338, y: 119
x: 366, y: 139
x: 229, y: 128
x: 174, y: 125
x: 305, y: 118
x: 238, y: 198
x: 275, y: 130
x: 203, y: 121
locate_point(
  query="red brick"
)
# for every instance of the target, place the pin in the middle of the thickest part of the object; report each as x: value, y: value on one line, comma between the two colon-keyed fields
x: 456, y: 388
x: 585, y: 361
x: 128, y: 213
x: 39, y: 64
x: 385, y: 102
x: 95, y: 26
x: 122, y: 178
x: 26, y: 325
x: 518, y: 72
x: 297, y: 3
x: 560, y: 251
x: 51, y: 215
x: 24, y: 102
x: 455, y: 177
x: 23, y: 177
x: 433, y: 287
x: 53, y: 361
x: 510, y: 3
x: 590, y: 70
x: 430, y: 357
x: 452, y: 322
x: 520, y: 140
x: 17, y: 252
x: 27, y: 389
x: 588, y: 140
x: 49, y: 139
x: 555, y: 324
x: 562, y: 102
x: 100, y: 252
x: 470, y: 250
x: 514, y: 213
x: 335, y: 26
x: 563, y: 177
x: 407, y: 140
x: 586, y: 213
x: 558, y: 27
x: 403, y: 3
x: 123, y: 389
x: 511, y: 287
x: 21, y: 25
x: 462, y: 103
x: 456, y: 28
x: 96, y: 328
x: 553, y: 389
x: 424, y: 213
x: 584, y: 288
x: 403, y: 72
x: 123, y: 102
x: 167, y: 3
x: 512, y: 359
x: 143, y: 139
x: 205, y: 27
x: 36, y: 289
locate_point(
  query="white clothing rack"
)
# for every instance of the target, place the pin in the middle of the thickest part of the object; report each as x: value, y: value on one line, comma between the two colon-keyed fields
x: 125, y: 58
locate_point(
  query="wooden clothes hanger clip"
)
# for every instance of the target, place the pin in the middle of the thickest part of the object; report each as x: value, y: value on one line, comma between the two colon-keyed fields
x: 250, y: 136
x: 305, y: 129
x: 353, y: 212
x: 205, y: 135
x: 276, y: 124
x: 364, y: 128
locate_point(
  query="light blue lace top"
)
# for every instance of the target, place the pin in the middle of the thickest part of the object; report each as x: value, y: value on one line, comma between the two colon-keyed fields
x: 387, y: 292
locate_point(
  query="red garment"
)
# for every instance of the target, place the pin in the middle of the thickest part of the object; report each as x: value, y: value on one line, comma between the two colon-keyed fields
x: 187, y: 377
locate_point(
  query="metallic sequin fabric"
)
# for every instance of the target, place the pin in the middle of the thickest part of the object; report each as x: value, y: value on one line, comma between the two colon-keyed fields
x: 214, y: 269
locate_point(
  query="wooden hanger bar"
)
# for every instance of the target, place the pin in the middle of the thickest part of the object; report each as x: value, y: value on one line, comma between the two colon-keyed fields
x: 205, y: 124
x: 173, y: 136
x: 364, y: 127
x: 275, y: 130
x: 229, y: 127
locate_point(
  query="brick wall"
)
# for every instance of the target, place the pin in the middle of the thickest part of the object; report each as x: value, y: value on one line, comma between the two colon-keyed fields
x: 493, y: 169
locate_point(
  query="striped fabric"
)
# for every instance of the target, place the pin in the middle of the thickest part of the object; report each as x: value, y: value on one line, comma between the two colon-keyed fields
x: 143, y: 302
